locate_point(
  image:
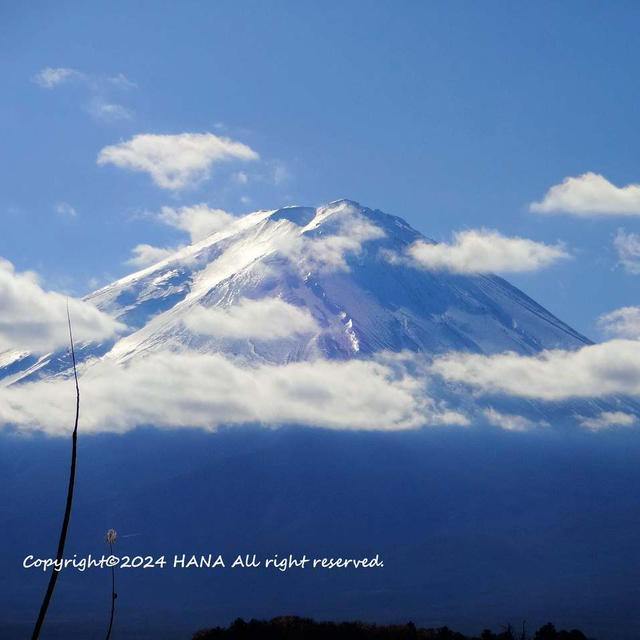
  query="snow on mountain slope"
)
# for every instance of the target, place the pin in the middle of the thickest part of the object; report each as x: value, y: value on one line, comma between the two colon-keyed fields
x: 302, y: 284
x: 331, y: 262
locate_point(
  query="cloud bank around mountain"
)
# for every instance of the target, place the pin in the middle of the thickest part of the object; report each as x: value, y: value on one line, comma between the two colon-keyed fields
x: 33, y: 319
x: 608, y: 419
x: 326, y: 252
x: 175, y: 162
x: 593, y: 371
x: 144, y: 255
x: 262, y: 319
x: 510, y: 421
x: 208, y: 390
x: 484, y: 251
x: 197, y: 220
x: 329, y: 251
x: 590, y: 194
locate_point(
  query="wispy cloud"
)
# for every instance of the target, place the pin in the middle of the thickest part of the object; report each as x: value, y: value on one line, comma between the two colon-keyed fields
x: 35, y: 320
x: 281, y: 173
x: 51, y: 77
x: 241, y: 177
x: 121, y: 81
x: 627, y: 246
x: 623, y: 322
x: 65, y: 210
x: 482, y: 251
x: 590, y: 194
x: 99, y: 87
x: 175, y: 161
x: 108, y: 111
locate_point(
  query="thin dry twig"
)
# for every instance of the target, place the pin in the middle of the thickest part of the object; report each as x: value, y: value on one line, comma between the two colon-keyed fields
x: 67, y: 509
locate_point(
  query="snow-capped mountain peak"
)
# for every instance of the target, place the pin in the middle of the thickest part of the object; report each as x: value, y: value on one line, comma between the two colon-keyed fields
x: 331, y: 265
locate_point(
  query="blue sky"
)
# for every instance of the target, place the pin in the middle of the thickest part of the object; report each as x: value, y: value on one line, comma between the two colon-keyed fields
x: 454, y: 116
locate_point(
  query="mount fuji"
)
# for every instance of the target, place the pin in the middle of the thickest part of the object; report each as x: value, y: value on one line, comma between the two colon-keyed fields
x: 332, y: 283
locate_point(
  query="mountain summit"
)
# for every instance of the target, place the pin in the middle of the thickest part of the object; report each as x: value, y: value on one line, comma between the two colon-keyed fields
x: 336, y: 263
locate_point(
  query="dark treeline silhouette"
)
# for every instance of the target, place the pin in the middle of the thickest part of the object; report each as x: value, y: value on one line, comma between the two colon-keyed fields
x: 295, y: 628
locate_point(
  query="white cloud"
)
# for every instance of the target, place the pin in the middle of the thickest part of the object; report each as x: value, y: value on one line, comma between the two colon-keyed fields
x: 627, y: 247
x: 608, y: 419
x: 145, y: 255
x: 66, y: 210
x: 175, y: 161
x: 264, y: 319
x: 199, y: 220
x: 593, y: 371
x: 482, y: 251
x: 508, y: 421
x: 35, y: 320
x: 109, y: 111
x: 623, y: 322
x: 207, y: 390
x: 329, y: 251
x: 590, y: 194
x: 51, y: 77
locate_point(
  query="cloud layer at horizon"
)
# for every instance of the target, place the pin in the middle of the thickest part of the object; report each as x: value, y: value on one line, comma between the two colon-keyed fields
x: 593, y: 371
x: 172, y: 390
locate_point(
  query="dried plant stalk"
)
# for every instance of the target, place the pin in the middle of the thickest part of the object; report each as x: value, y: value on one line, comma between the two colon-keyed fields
x: 67, y: 510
